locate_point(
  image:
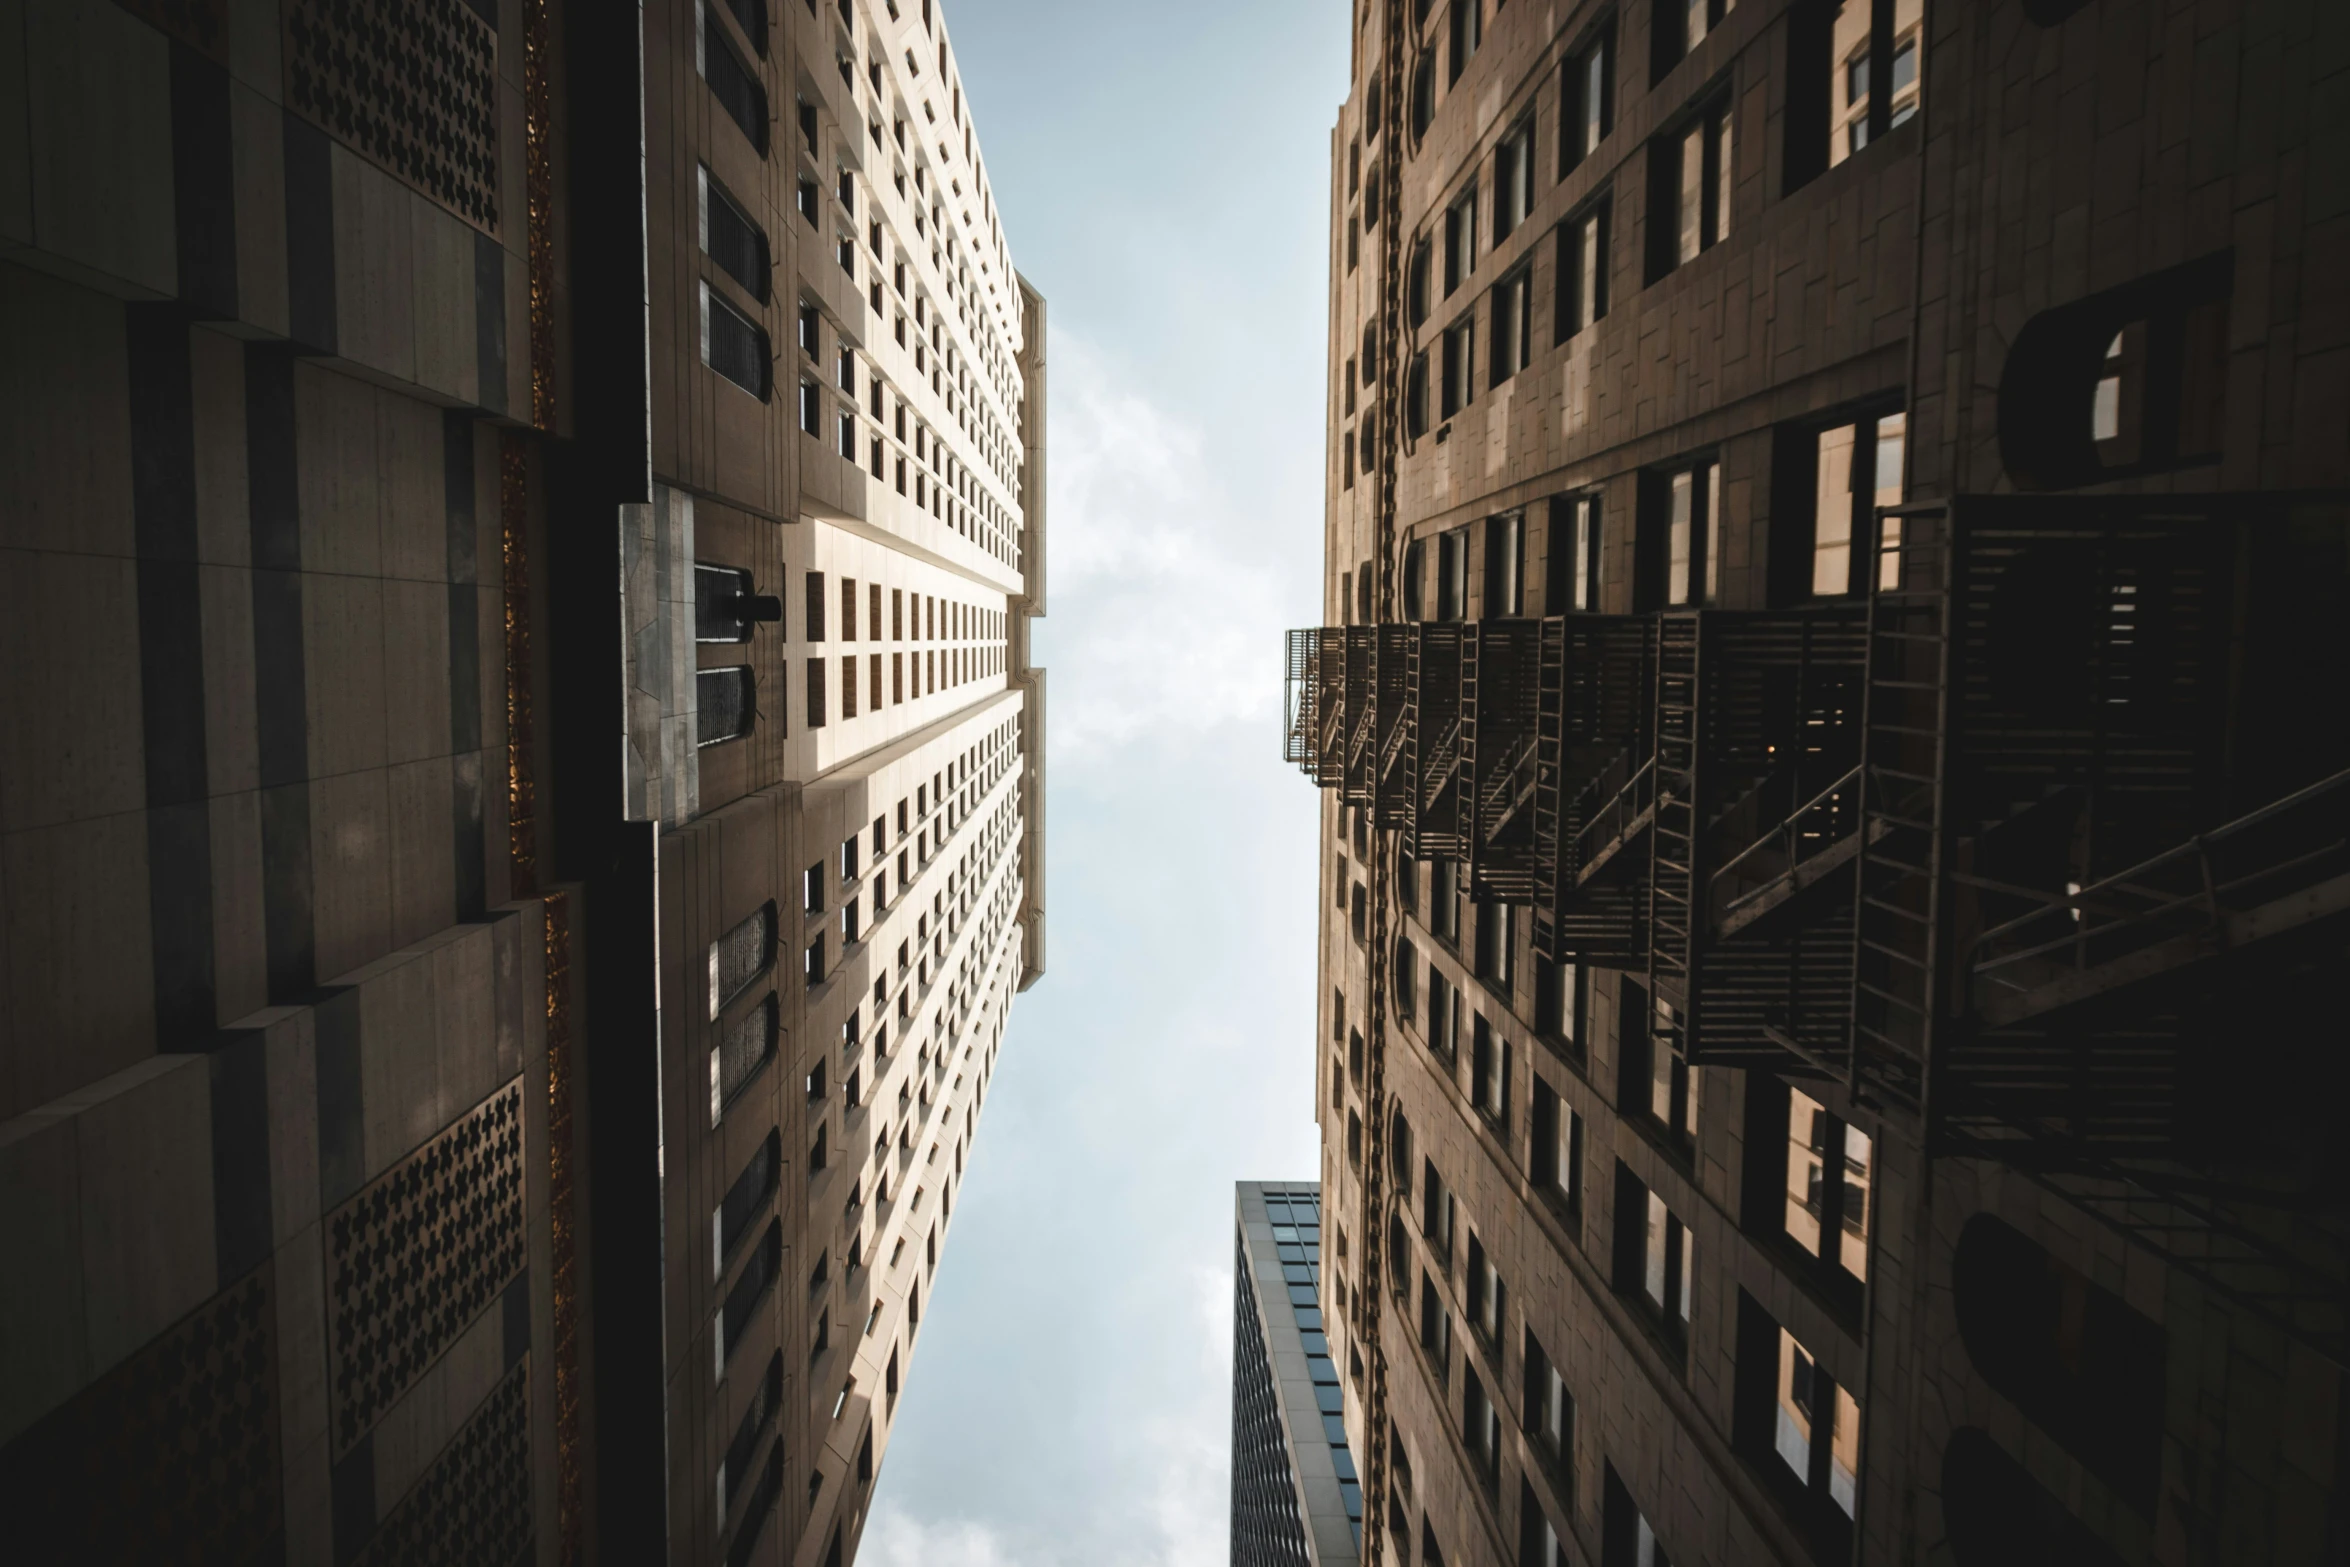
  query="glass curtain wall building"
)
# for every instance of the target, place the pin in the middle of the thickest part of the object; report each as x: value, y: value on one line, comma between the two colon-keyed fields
x: 1296, y: 1497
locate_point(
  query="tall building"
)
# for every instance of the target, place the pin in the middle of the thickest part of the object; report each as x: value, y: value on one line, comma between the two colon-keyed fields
x: 1836, y: 561
x: 1296, y: 1498
x: 521, y: 798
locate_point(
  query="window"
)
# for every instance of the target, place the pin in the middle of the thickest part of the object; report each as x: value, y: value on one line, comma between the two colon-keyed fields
x: 1460, y: 241
x: 1587, y: 97
x: 1557, y: 1148
x: 733, y: 239
x: 1680, y: 564
x: 1680, y: 26
x: 1656, y: 1080
x: 1513, y: 180
x: 740, y: 956
x: 735, y: 346
x: 1438, y: 1212
x: 1550, y: 1411
x: 1480, y: 1428
x: 1505, y: 550
x: 1571, y: 574
x: 732, y: 1219
x: 738, y: 92
x: 1497, y: 946
x: 1856, y: 468
x: 813, y: 626
x: 1435, y: 1330
x: 1416, y: 284
x: 1582, y: 269
x: 725, y: 608
x: 1626, y: 1537
x: 1513, y: 323
x: 1538, y: 1537
x: 724, y: 704
x: 750, y: 1287
x: 1423, y: 95
x: 1690, y: 172
x: 1445, y: 900
x: 1653, y: 1255
x: 1487, y: 1295
x: 1816, y: 1433
x: 1466, y: 30
x: 1560, y: 994
x: 734, y: 1469
x: 1489, y: 1072
x: 811, y: 407
x: 1459, y: 375
x: 815, y: 693
x: 744, y: 1048
x: 1827, y: 1185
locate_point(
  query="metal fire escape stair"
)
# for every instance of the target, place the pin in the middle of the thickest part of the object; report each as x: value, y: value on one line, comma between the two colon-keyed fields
x: 1672, y: 885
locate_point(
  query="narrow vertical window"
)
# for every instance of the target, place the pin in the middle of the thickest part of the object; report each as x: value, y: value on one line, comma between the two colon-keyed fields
x: 1582, y: 269
x: 1587, y: 98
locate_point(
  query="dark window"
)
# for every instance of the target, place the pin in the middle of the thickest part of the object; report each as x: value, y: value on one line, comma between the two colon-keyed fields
x: 1582, y: 269
x: 1513, y: 179
x: 1800, y: 1426
x: 738, y: 92
x: 1415, y: 398
x: 1679, y: 560
x: 1423, y: 95
x: 1460, y: 368
x: 1489, y: 1073
x: 741, y: 956
x: 1626, y: 1538
x: 1417, y: 281
x: 812, y: 626
x: 746, y: 1199
x: 753, y: 16
x: 736, y: 346
x: 806, y: 201
x: 1465, y: 27
x: 1513, y: 323
x: 725, y: 704
x: 1690, y: 169
x: 1571, y: 575
x: 735, y: 1468
x: 750, y: 1287
x: 733, y: 239
x: 1828, y: 484
x: 744, y: 1048
x: 815, y: 693
x: 1460, y: 241
x: 1654, y: 1256
x: 1810, y: 1176
x: 1587, y: 97
x: 1658, y: 1088
x: 1556, y: 1148
x: 757, y: 1510
x: 1678, y: 27
x: 1549, y: 1416
x: 1841, y: 96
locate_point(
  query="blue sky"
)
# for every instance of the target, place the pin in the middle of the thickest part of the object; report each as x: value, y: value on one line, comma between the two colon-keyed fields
x: 1163, y: 172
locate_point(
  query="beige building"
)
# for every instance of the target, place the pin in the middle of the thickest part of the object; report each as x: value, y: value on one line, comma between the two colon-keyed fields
x: 1831, y: 851
x: 521, y: 804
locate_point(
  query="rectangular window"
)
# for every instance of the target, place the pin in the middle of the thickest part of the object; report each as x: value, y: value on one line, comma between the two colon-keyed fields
x: 1467, y: 30
x: 1435, y: 1330
x: 1480, y: 1427
x: 1557, y: 1147
x: 1587, y: 98
x: 848, y: 687
x: 733, y: 239
x: 813, y: 627
x: 1828, y: 1172
x: 1627, y: 1539
x: 1690, y: 180
x: 1505, y: 552
x: 1582, y: 269
x: 744, y: 1202
x: 811, y: 407
x: 1549, y: 1411
x: 744, y: 1047
x: 815, y: 693
x: 1513, y: 323
x: 735, y: 346
x: 1856, y: 469
x: 1681, y: 559
x: 1460, y: 241
x: 740, y: 957
x: 738, y: 92
x: 1560, y: 994
x: 1571, y: 575
x: 723, y: 704
x: 1445, y: 901
x: 1513, y: 180
x: 1460, y: 369
x: 1489, y: 1072
x: 1680, y: 26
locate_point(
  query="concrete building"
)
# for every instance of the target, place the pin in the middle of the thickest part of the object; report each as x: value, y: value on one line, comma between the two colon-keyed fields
x: 522, y: 775
x: 1296, y: 1498
x: 1835, y: 570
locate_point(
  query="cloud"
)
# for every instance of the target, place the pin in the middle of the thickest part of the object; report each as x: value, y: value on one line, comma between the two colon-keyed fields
x: 1153, y: 575
x: 895, y: 1538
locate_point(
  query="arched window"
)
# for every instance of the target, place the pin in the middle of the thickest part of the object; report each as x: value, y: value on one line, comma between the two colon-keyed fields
x: 2082, y: 1365
x: 1999, y: 1516
x: 1423, y: 95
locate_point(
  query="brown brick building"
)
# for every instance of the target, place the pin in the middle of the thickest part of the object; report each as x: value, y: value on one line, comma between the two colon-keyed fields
x: 1836, y: 560
x: 521, y: 793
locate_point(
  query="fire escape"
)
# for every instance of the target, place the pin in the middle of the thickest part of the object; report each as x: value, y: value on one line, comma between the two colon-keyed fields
x: 2041, y: 850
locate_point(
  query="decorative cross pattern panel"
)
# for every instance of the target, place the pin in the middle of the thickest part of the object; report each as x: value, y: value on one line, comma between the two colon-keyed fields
x: 172, y: 1456
x: 472, y: 1508
x: 412, y: 85
x: 418, y: 1254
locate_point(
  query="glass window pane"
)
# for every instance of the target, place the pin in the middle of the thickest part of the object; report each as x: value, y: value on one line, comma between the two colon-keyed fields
x: 1806, y: 1174
x: 1792, y: 1437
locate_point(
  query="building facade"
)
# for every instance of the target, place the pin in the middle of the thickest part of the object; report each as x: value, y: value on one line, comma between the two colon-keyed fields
x: 1296, y: 1496
x: 523, y: 775
x: 1836, y: 514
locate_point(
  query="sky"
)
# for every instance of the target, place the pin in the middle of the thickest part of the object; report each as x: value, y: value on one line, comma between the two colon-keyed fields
x: 1163, y: 174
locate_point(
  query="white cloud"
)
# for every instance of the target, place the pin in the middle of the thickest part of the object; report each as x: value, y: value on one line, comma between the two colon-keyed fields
x: 895, y: 1538
x: 1156, y: 582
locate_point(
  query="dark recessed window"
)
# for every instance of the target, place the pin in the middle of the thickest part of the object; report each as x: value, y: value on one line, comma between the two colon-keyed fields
x: 750, y: 1287
x: 745, y: 1200
x: 735, y: 346
x: 724, y: 704
x: 1587, y: 97
x: 734, y: 240
x: 741, y: 956
x: 1690, y: 176
x: 738, y: 92
x: 1582, y: 268
x: 744, y: 1048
